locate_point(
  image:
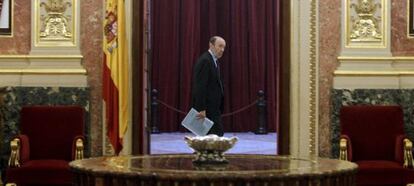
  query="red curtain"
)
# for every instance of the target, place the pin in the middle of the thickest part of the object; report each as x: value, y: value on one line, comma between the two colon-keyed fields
x: 1, y: 5
x: 180, y: 30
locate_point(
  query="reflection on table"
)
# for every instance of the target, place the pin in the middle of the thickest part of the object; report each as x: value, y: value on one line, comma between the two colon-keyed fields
x: 179, y: 170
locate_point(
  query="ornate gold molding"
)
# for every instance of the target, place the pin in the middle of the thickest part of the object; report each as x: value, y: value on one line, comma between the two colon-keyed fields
x: 55, y: 23
x: 312, y: 79
x: 365, y: 23
x: 365, y: 26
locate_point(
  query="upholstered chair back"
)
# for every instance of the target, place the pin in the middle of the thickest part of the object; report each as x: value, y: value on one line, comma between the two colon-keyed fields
x: 51, y: 130
x: 373, y: 130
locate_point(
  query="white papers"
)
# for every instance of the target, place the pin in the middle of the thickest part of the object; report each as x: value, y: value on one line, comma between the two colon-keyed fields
x: 199, y: 127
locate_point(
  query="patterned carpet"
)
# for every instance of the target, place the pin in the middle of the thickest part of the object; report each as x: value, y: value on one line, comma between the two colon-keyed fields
x: 249, y: 143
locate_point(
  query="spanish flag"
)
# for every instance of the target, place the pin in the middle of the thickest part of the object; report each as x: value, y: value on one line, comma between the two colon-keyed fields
x: 115, y: 73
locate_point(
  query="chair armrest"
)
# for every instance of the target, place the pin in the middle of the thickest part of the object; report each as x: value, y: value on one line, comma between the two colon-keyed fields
x: 78, y: 148
x: 20, y: 150
x: 408, y: 154
x: 403, y: 151
x: 345, y: 148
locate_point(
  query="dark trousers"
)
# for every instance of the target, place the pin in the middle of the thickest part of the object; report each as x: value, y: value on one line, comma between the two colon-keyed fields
x: 217, y: 127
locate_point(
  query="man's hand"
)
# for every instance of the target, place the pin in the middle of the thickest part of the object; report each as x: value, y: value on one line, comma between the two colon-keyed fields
x: 201, y: 114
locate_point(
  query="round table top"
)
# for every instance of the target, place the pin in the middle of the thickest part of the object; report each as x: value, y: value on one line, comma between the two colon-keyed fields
x: 182, y: 167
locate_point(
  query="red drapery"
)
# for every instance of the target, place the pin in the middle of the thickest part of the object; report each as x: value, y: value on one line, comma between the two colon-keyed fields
x: 180, y: 32
x: 1, y: 5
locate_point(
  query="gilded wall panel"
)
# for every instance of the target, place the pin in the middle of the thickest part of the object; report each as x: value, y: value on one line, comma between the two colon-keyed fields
x: 365, y: 23
x: 54, y: 22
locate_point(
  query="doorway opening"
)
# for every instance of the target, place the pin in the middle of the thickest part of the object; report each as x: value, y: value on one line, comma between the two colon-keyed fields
x: 175, y: 33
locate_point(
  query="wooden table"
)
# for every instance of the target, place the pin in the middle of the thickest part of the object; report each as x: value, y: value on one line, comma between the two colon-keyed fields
x: 242, y: 170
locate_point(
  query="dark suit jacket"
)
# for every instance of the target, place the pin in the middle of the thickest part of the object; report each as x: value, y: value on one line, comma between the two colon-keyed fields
x: 207, y: 90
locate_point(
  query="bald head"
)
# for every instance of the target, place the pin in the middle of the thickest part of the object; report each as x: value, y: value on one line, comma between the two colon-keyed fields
x: 217, y: 45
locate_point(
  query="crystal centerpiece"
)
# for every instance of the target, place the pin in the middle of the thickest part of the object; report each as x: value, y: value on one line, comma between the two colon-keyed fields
x: 210, y: 149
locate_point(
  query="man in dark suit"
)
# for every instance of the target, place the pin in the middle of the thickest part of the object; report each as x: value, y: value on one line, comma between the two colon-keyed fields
x: 207, y: 90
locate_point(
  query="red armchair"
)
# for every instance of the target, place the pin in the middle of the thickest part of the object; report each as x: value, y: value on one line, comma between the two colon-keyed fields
x: 50, y: 137
x: 373, y: 137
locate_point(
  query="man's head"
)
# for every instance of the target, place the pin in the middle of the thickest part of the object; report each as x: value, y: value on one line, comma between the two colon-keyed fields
x: 217, y: 45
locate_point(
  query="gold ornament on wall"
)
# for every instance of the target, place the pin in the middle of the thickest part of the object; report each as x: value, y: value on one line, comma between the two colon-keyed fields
x: 366, y: 25
x: 55, y: 23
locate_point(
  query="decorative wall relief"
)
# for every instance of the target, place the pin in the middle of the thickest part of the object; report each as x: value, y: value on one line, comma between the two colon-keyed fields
x: 342, y: 97
x: 365, y: 23
x: 56, y: 22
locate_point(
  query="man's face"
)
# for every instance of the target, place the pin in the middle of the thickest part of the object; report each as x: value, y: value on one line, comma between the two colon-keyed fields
x: 218, y: 47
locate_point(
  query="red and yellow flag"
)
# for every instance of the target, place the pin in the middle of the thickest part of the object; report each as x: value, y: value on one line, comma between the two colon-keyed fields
x: 115, y: 73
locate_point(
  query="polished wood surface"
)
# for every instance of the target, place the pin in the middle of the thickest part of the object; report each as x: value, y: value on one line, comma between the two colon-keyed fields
x: 178, y: 170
